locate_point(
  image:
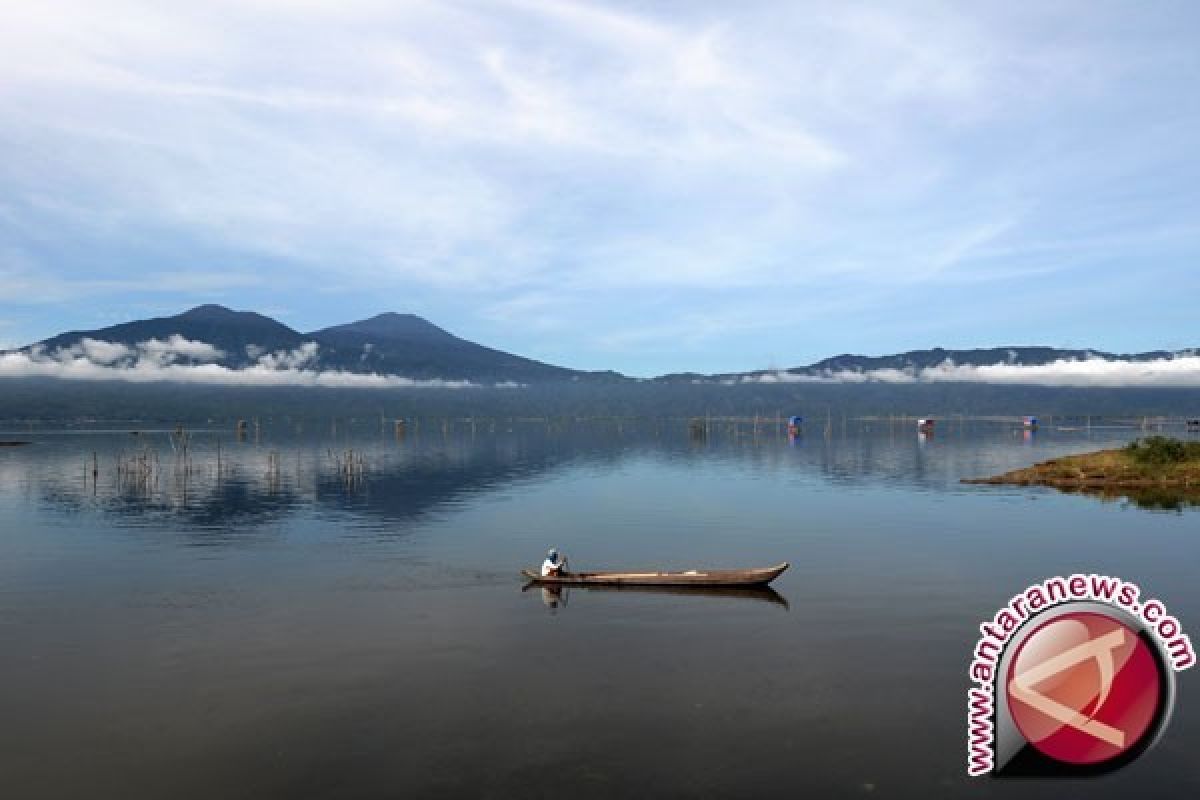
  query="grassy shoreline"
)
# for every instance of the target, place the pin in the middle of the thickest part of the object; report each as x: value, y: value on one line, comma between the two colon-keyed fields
x: 1158, y: 464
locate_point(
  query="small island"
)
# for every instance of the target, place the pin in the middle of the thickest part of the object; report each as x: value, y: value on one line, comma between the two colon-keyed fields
x: 1158, y: 472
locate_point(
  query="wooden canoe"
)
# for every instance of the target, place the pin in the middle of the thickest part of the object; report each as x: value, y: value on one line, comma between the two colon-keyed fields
x: 692, y: 577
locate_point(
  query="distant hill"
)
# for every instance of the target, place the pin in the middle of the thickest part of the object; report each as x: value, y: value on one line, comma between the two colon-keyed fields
x: 387, y: 344
x: 920, y: 359
x: 1025, y: 355
x: 405, y: 344
x: 227, y: 330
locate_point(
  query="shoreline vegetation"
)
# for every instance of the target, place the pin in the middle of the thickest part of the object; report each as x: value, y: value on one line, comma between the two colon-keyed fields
x: 1156, y: 471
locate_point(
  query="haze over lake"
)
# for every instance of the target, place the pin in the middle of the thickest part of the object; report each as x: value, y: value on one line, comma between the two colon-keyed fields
x: 279, y: 628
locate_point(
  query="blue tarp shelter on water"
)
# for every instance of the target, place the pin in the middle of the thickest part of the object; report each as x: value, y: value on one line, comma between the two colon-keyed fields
x: 795, y: 421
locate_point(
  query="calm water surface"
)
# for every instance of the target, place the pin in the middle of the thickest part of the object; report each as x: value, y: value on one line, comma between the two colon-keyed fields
x: 273, y: 629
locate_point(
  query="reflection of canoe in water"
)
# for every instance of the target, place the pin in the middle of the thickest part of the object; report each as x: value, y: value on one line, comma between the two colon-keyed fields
x: 692, y: 577
x: 763, y: 594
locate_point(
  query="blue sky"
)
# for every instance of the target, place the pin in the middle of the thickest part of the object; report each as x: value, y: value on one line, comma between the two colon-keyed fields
x: 648, y: 187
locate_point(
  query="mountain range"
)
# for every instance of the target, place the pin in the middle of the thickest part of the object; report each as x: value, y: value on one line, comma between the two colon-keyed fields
x: 386, y: 344
x: 1021, y: 355
x: 407, y: 345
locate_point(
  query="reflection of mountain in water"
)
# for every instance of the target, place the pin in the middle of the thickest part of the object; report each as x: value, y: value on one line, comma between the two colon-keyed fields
x: 407, y: 479
x: 190, y: 502
x: 438, y: 474
x: 257, y: 486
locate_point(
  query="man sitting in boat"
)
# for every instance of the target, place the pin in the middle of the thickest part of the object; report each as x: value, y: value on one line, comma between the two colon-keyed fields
x: 555, y: 564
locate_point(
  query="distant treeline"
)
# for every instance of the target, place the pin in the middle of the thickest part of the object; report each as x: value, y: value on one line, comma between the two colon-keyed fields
x: 50, y: 399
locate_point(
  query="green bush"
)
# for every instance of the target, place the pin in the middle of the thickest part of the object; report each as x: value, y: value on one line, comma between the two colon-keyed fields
x: 1162, y: 450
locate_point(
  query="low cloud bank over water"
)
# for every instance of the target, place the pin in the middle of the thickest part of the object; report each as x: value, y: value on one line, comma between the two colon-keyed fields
x: 183, y: 360
x: 1180, y: 371
x: 186, y: 361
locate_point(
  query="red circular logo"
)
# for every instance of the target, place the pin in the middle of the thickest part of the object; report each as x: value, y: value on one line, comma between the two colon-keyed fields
x: 1084, y: 688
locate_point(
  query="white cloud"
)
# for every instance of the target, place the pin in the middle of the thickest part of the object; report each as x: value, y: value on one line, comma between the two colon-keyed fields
x: 152, y: 351
x: 478, y: 154
x: 155, y: 360
x: 177, y: 348
x: 422, y: 146
x: 99, y: 352
x: 303, y: 356
x: 1182, y: 371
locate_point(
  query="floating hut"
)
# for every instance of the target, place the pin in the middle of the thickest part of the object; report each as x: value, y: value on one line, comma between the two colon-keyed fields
x: 925, y: 424
x: 1029, y: 423
x: 794, y: 424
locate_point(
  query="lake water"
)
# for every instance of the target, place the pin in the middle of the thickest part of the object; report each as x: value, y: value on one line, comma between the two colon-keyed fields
x: 278, y: 629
